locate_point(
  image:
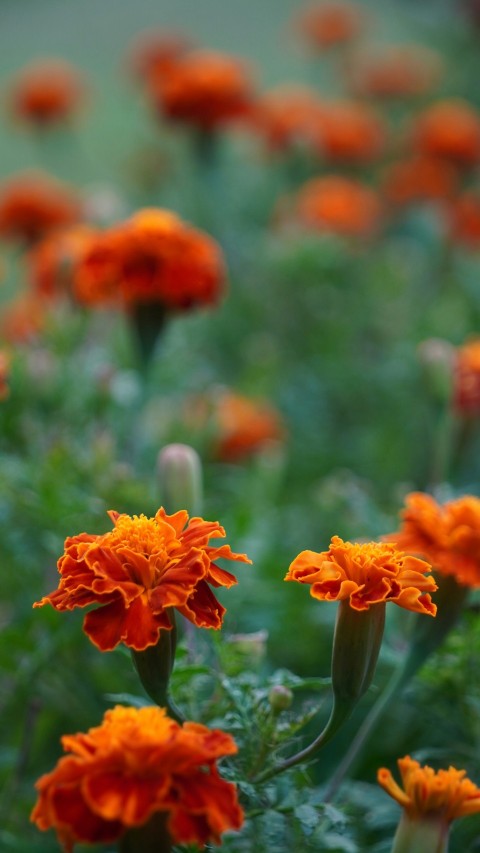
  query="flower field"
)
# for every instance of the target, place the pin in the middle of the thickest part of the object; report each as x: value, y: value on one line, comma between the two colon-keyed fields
x: 240, y: 303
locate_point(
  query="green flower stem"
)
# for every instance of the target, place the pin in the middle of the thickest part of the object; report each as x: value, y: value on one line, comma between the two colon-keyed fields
x: 416, y: 835
x: 356, y: 645
x: 154, y: 666
x: 427, y: 636
x: 148, y: 320
x: 152, y: 837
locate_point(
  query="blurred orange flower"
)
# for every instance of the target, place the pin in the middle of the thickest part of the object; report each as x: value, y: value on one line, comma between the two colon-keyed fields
x: 338, y: 205
x: 464, y: 220
x: 328, y: 24
x: 420, y: 179
x: 399, y: 71
x: 466, y: 378
x: 46, y: 92
x: 135, y: 764
x: 366, y: 574
x: 51, y: 261
x: 348, y: 132
x: 447, y: 535
x: 152, y: 257
x: 287, y: 116
x: 444, y: 795
x: 449, y: 129
x: 22, y: 318
x: 245, y: 426
x: 139, y: 570
x: 34, y: 203
x: 204, y: 89
x: 4, y: 374
x: 154, y: 52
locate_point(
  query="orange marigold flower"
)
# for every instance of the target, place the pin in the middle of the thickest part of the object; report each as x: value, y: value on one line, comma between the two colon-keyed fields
x: 444, y: 795
x: 135, y: 764
x: 466, y: 378
x: 447, y: 535
x: 32, y: 204
x: 338, y: 205
x: 155, y: 52
x: 449, y: 129
x: 46, y: 92
x: 52, y: 260
x: 287, y: 116
x: 205, y: 90
x: 347, y: 132
x: 139, y: 570
x: 329, y: 24
x: 245, y: 426
x: 152, y: 257
x: 400, y: 71
x: 4, y: 374
x: 420, y: 179
x: 464, y: 220
x: 365, y: 574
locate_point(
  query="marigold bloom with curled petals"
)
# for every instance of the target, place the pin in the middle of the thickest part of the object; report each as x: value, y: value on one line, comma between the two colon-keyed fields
x: 135, y: 764
x: 447, y: 535
x: 449, y: 129
x: 46, y: 93
x: 400, y: 71
x: 420, y: 179
x: 287, y: 117
x: 338, y: 205
x: 138, y: 571
x: 365, y: 575
x: 328, y: 24
x: 34, y: 203
x: 204, y: 89
x: 442, y: 795
x: 348, y: 132
x: 152, y: 257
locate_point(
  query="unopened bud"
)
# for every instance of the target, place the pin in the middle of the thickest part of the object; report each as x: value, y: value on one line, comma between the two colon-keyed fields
x: 180, y: 474
x: 280, y: 698
x: 437, y: 358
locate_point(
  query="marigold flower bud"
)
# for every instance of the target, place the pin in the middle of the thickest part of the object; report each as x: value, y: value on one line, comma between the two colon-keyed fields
x: 180, y: 474
x: 280, y: 698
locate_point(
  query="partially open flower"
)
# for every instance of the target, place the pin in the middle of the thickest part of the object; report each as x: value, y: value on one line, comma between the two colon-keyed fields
x: 328, y: 24
x: 46, y: 93
x: 205, y: 90
x: 338, y: 205
x: 399, y: 71
x: 137, y: 765
x: 34, y: 203
x: 365, y: 575
x: 447, y: 535
x: 449, y: 129
x: 431, y: 801
x: 140, y: 570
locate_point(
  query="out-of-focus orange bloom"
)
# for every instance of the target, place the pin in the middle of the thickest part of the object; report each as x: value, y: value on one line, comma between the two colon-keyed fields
x: 4, y: 374
x: 365, y: 575
x: 154, y: 52
x: 244, y: 426
x: 447, y: 535
x: 402, y: 71
x: 420, y: 179
x: 22, y: 319
x: 328, y: 24
x: 349, y: 133
x: 46, y: 92
x: 52, y: 260
x: 464, y: 220
x: 466, y: 379
x: 287, y: 117
x: 140, y: 570
x: 444, y: 795
x: 135, y: 764
x: 449, y: 129
x: 32, y: 204
x: 204, y: 89
x: 152, y: 257
x: 338, y: 205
